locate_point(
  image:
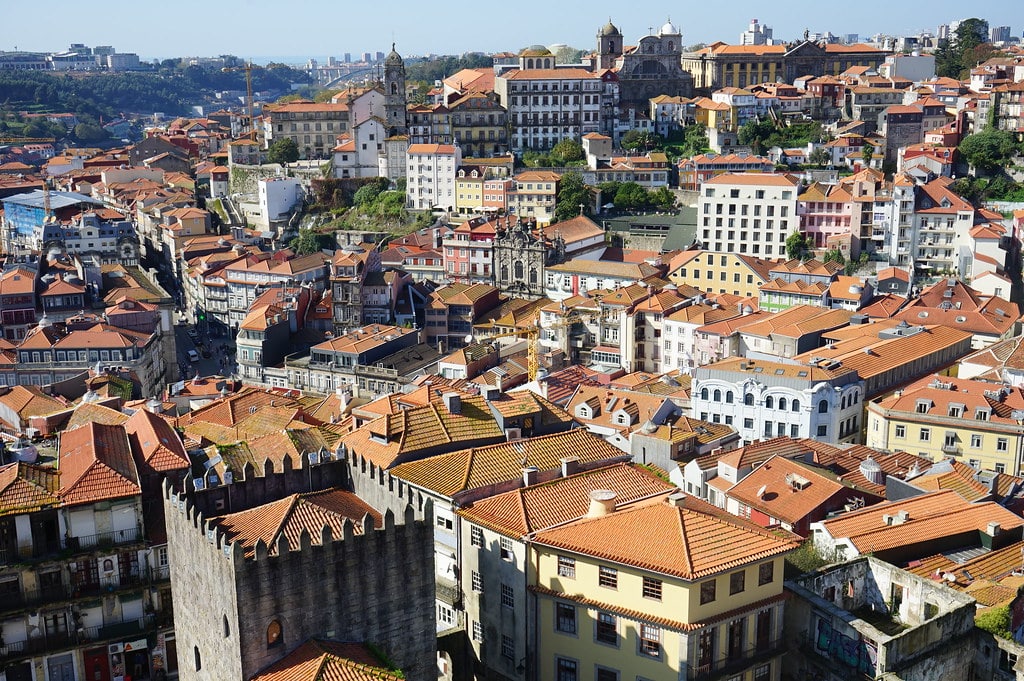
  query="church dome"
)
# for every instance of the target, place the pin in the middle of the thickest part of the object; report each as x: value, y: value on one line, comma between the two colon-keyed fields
x: 536, y: 51
x: 669, y: 29
x: 393, y: 58
x: 610, y: 29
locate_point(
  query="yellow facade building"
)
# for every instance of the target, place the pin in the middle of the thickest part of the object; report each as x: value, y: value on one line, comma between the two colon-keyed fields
x: 977, y: 422
x: 721, y: 272
x: 669, y: 588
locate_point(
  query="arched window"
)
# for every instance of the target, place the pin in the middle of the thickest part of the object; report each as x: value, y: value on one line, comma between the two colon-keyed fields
x: 769, y: 402
x: 782, y: 404
x: 842, y: 403
x: 704, y: 393
x: 519, y: 270
x: 533, y: 275
x: 748, y: 399
x: 275, y: 634
x: 227, y: 628
x: 529, y: 63
x: 823, y: 407
x: 796, y: 405
x: 718, y: 396
x: 504, y: 272
x: 611, y: 46
x: 199, y: 659
x: 394, y: 88
x: 728, y: 397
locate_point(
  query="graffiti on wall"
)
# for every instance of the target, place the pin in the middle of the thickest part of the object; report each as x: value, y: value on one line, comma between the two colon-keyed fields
x: 853, y: 652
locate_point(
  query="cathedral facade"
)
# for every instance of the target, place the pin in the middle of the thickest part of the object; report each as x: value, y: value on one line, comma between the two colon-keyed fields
x: 650, y: 68
x: 521, y: 254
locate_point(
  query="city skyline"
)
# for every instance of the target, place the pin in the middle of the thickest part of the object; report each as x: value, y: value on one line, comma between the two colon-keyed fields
x: 320, y: 29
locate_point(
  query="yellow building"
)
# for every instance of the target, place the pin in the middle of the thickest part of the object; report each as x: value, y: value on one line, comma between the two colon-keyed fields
x: 720, y: 272
x: 977, y: 422
x: 469, y: 189
x: 669, y: 588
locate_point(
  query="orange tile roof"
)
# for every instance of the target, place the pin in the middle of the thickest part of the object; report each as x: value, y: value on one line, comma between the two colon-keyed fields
x: 473, y: 468
x: 155, y: 443
x: 25, y: 488
x: 692, y: 541
x: 528, y: 509
x: 317, y: 660
x: 932, y: 516
x: 992, y: 566
x: 754, y: 179
x: 291, y: 516
x: 95, y: 464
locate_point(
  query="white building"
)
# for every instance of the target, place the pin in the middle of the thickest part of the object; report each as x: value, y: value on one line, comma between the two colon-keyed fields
x: 748, y: 213
x: 430, y: 175
x: 277, y: 197
x: 763, y: 399
x: 358, y: 154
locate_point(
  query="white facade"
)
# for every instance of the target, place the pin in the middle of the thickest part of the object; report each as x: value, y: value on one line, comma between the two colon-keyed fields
x: 748, y: 213
x: 763, y: 405
x: 277, y: 196
x: 430, y: 176
x: 547, y: 105
x: 360, y: 154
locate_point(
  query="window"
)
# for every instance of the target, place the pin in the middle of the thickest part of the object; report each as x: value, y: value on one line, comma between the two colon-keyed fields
x: 608, y: 576
x: 275, y: 635
x: 508, y: 647
x: 901, y: 432
x: 227, y: 627
x: 605, y: 674
x: 1000, y: 468
x: 650, y: 640
x: 765, y: 573
x: 199, y: 659
x: 606, y: 628
x: 445, y: 615
x: 822, y: 431
x: 763, y: 673
x: 567, y: 567
x: 506, y: 548
x: 478, y: 582
x: 926, y: 434
x: 975, y: 441
x: 748, y: 399
x: 1002, y: 444
x: 444, y: 523
x: 748, y: 423
x: 737, y: 582
x: 823, y: 407
x: 565, y: 618
x: 707, y: 592
x: 795, y: 406
x: 508, y: 597
x: 565, y: 670
x: 478, y: 631
x: 476, y: 536
x: 652, y: 588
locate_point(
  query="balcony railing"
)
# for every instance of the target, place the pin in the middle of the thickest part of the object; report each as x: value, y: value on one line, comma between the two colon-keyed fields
x: 56, y: 641
x: 31, y: 598
x: 105, y: 539
x: 729, y: 665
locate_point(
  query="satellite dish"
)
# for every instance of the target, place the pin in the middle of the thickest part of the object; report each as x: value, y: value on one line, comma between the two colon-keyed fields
x: 761, y: 491
x: 469, y: 338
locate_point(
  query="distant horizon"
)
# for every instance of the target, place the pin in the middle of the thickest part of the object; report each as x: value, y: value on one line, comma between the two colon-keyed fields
x: 320, y: 27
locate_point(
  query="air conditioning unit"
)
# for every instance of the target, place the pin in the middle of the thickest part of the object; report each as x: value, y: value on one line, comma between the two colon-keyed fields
x: 513, y: 434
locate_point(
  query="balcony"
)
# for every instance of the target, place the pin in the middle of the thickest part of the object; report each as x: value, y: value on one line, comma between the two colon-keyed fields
x: 60, y: 593
x: 730, y: 666
x: 951, y: 448
x: 449, y: 592
x: 52, y: 642
x: 131, y: 535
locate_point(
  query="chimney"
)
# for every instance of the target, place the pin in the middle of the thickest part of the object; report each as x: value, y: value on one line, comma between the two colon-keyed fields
x: 570, y: 465
x: 602, y: 502
x: 677, y: 499
x: 452, y: 402
x: 902, y: 517
x: 993, y: 529
x: 530, y: 475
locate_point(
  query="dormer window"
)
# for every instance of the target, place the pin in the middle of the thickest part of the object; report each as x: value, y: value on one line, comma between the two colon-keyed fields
x: 981, y: 415
x: 923, y: 406
x: 955, y: 410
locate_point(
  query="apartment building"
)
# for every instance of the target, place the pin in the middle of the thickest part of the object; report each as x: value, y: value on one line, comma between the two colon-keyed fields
x: 430, y: 176
x: 748, y: 213
x: 479, y: 125
x: 534, y: 195
x: 547, y: 104
x: 313, y: 126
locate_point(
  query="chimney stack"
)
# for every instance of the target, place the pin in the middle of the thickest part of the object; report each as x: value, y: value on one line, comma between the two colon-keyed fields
x: 602, y: 503
x: 570, y: 465
x: 452, y: 402
x: 677, y: 499
x: 530, y: 475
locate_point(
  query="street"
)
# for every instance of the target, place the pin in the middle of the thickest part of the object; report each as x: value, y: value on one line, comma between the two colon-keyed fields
x: 219, y: 362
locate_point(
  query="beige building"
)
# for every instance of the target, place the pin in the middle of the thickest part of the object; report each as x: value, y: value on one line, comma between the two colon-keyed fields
x: 748, y: 213
x: 313, y: 126
x: 720, y: 272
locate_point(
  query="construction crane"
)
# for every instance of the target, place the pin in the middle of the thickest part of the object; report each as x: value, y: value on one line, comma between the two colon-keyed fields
x: 532, y: 337
x: 248, y: 69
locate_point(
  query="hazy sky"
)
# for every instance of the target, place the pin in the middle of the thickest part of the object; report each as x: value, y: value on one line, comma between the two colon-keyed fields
x: 254, y: 28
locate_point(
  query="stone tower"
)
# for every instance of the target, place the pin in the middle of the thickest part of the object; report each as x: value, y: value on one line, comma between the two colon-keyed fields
x: 609, y: 45
x: 394, y: 93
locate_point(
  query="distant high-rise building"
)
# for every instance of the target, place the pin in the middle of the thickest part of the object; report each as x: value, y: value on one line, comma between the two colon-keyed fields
x: 366, y: 57
x: 999, y: 34
x: 851, y: 38
x: 379, y: 56
x: 943, y: 32
x: 348, y: 57
x: 756, y: 34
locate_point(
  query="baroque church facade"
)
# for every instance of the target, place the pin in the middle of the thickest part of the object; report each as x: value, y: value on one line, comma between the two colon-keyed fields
x: 521, y: 253
x: 650, y: 68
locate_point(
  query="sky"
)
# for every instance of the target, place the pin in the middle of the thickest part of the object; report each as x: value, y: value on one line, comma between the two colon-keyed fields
x: 319, y: 28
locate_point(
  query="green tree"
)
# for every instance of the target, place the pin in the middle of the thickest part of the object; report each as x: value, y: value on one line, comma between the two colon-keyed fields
x: 283, y: 150
x: 695, y: 141
x: 568, y: 55
x: 309, y: 241
x: 756, y: 134
x: 820, y: 157
x: 567, y: 151
x: 663, y: 199
x: 989, y: 149
x: 639, y: 139
x: 572, y: 192
x: 369, y: 192
x: 867, y: 152
x: 834, y: 255
x: 796, y: 246
x: 88, y: 132
x: 631, y: 196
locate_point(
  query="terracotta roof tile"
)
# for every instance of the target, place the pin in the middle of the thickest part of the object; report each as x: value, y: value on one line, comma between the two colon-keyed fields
x: 25, y: 488
x: 95, y: 464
